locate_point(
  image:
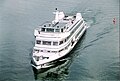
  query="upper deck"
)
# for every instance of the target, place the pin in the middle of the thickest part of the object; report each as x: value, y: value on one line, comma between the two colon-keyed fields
x: 58, y: 27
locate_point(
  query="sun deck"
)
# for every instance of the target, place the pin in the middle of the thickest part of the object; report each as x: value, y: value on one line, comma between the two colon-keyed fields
x: 58, y: 27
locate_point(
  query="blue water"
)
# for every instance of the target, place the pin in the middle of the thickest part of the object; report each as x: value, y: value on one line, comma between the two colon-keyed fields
x: 95, y: 57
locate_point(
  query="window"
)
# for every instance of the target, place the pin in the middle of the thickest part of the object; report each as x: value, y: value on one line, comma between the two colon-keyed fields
x: 61, y: 30
x: 39, y: 32
x: 57, y: 30
x: 66, y: 47
x: 50, y: 30
x: 65, y: 40
x: 61, y: 50
x: 60, y: 42
x: 49, y: 24
x: 46, y: 43
x: 43, y: 29
x: 38, y: 41
x: 54, y: 51
x: 68, y: 37
x: 55, y: 43
x: 36, y: 51
x: 48, y: 51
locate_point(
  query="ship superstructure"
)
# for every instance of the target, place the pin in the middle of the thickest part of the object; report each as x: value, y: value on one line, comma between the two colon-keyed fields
x: 57, y: 38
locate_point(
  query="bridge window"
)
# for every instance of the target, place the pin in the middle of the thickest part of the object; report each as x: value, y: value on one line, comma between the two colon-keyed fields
x: 50, y: 30
x: 46, y: 43
x: 57, y: 30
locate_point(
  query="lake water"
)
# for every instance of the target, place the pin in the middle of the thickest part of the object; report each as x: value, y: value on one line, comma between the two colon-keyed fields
x: 94, y: 58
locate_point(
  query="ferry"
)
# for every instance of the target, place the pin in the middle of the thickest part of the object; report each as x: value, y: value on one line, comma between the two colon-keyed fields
x: 55, y: 39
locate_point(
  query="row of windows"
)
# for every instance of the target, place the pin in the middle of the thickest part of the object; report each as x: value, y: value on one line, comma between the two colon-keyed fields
x: 37, y: 51
x: 46, y: 42
x: 51, y: 30
x: 50, y: 42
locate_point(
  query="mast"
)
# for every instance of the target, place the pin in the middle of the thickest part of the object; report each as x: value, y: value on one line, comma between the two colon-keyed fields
x: 58, y: 15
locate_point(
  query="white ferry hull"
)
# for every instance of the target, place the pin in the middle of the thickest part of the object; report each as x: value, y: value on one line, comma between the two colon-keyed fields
x: 54, y: 40
x: 64, y: 53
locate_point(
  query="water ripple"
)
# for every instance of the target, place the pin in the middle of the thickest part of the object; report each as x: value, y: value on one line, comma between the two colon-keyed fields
x: 88, y: 46
x: 96, y: 39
